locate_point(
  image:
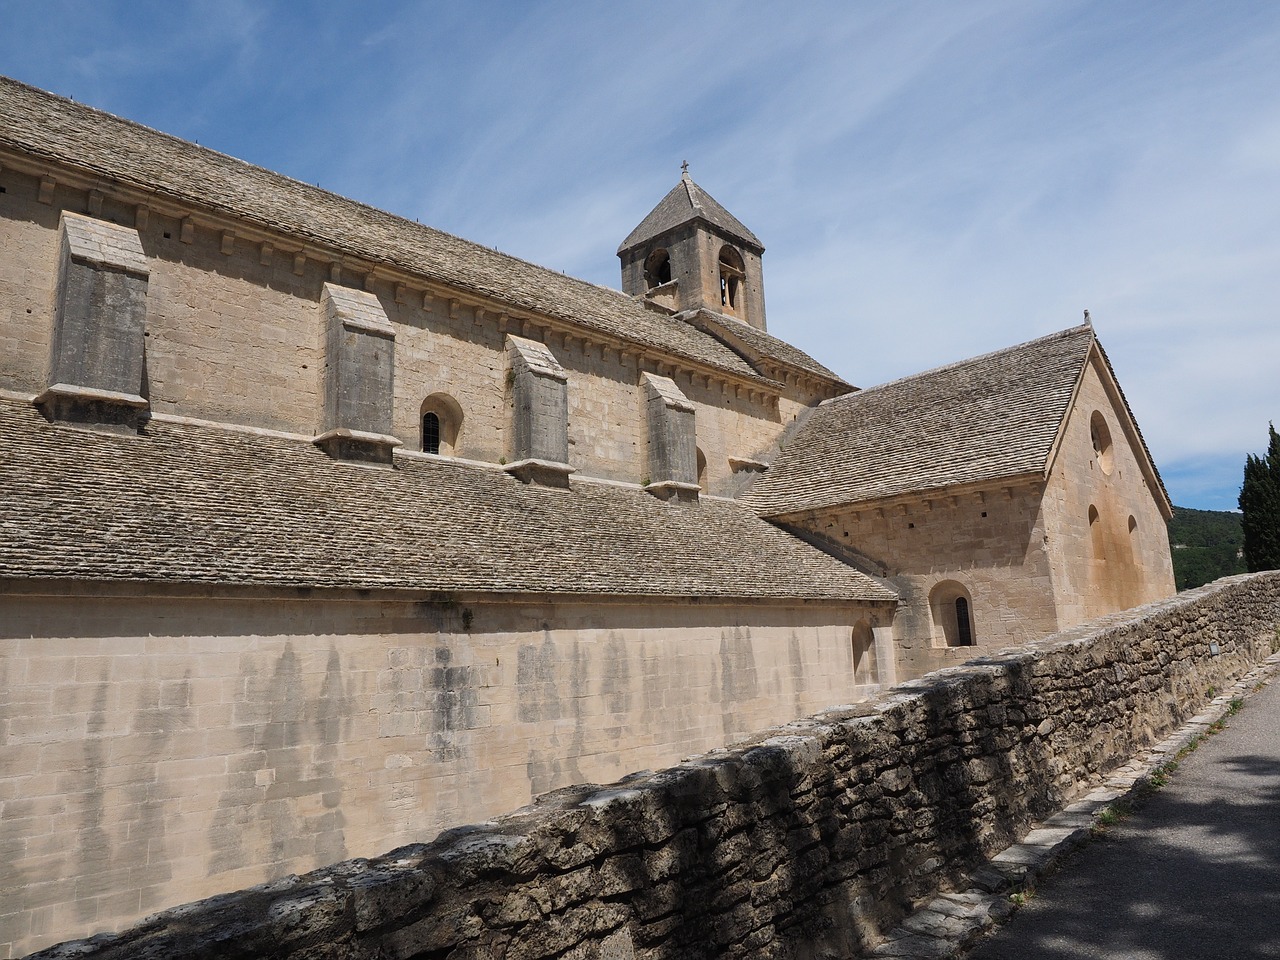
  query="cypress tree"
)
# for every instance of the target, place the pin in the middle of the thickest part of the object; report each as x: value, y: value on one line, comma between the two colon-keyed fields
x: 1260, y: 503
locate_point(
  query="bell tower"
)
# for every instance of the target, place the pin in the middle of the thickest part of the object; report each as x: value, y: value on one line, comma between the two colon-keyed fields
x: 690, y: 253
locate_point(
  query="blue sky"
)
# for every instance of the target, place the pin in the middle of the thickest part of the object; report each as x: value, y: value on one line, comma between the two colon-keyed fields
x: 931, y: 180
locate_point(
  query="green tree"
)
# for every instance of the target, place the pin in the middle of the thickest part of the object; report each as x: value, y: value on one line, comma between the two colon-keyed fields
x: 1260, y: 503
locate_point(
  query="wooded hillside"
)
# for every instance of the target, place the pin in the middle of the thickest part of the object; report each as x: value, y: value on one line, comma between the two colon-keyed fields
x: 1206, y: 545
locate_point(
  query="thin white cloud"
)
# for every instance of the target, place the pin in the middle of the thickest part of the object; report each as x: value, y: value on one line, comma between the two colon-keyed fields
x: 931, y: 180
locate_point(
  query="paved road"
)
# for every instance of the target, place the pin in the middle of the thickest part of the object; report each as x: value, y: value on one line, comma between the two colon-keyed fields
x: 1194, y: 874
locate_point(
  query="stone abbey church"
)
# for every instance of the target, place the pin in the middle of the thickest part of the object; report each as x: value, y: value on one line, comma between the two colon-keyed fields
x: 322, y: 531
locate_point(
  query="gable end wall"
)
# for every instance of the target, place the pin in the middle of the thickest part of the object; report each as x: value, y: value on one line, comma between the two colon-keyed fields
x: 1134, y: 568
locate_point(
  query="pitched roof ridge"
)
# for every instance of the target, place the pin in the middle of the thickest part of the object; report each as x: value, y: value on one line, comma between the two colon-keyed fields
x: 743, y: 329
x: 316, y: 188
x: 1106, y: 361
x: 689, y: 188
x: 958, y: 364
x: 443, y: 245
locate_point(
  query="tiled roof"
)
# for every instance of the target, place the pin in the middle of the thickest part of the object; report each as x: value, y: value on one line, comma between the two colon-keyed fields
x: 188, y: 504
x: 994, y: 416
x: 755, y: 344
x: 49, y: 127
x: 685, y: 203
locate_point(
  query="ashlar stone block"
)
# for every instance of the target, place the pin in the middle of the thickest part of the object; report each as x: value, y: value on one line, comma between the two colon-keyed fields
x: 673, y: 452
x: 540, y: 414
x: 96, y: 369
x: 359, y: 376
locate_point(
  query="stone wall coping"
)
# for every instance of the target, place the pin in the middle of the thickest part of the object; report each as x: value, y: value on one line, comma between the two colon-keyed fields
x: 76, y: 392
x: 105, y: 244
x: 357, y: 309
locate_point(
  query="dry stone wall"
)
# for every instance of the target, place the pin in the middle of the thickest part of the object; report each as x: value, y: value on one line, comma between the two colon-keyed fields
x: 806, y: 841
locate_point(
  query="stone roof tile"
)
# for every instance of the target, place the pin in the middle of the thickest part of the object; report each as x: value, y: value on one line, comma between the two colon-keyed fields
x: 185, y: 504
x: 49, y: 127
x: 982, y: 419
x: 758, y: 345
x: 684, y: 203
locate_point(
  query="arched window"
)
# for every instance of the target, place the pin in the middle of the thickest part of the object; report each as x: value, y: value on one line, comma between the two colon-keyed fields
x: 952, y: 608
x: 864, y: 654
x: 657, y: 269
x: 441, y: 420
x: 1100, y: 435
x: 732, y: 278
x: 430, y: 432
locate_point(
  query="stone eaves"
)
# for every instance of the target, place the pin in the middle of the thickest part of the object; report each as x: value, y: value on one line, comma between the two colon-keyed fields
x: 197, y: 505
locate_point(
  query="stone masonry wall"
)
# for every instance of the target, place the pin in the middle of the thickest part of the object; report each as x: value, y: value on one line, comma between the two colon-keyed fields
x: 153, y: 750
x: 807, y: 841
x: 234, y: 334
x: 989, y: 541
x: 1110, y: 564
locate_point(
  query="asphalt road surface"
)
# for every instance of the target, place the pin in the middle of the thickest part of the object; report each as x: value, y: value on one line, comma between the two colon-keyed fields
x: 1194, y: 873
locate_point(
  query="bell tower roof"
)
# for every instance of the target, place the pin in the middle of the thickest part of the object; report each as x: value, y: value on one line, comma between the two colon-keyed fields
x: 685, y: 203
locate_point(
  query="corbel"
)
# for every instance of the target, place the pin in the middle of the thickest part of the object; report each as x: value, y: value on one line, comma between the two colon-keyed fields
x: 140, y: 217
x: 47, y: 184
x: 95, y: 203
x: 266, y: 254
x: 228, y: 242
x: 427, y: 300
x: 335, y: 271
x: 300, y: 262
x: 187, y: 231
x: 402, y: 294
x: 453, y: 308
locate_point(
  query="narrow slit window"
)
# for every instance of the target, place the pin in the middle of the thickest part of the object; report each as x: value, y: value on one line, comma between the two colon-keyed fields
x: 430, y: 433
x: 964, y: 627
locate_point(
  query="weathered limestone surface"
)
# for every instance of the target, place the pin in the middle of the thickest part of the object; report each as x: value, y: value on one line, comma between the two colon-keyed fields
x: 156, y: 751
x: 235, y: 333
x: 1122, y: 558
x: 810, y: 840
x: 673, y: 458
x: 97, y: 366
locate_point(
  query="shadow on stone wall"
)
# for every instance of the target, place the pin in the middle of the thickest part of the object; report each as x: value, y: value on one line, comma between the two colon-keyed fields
x: 806, y: 841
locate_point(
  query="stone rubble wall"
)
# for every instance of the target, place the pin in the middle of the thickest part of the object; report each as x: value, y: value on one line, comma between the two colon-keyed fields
x: 809, y: 841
